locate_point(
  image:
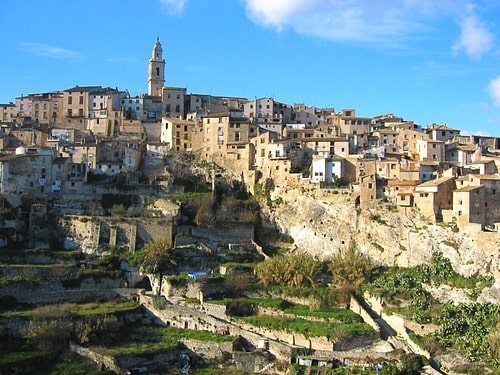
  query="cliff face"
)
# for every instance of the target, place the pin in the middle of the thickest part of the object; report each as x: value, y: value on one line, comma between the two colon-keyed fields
x: 321, y: 222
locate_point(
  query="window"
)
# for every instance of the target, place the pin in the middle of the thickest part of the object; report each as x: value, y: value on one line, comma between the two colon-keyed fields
x: 157, y: 72
x: 70, y: 101
x: 177, y: 108
x: 80, y: 100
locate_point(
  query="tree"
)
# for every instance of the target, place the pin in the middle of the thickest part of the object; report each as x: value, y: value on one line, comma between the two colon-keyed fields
x: 50, y: 329
x: 411, y: 363
x: 494, y: 342
x: 299, y: 269
x: 350, y: 268
x: 155, y: 256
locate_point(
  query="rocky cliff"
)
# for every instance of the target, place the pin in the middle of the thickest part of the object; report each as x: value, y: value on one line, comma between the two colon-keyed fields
x: 321, y: 221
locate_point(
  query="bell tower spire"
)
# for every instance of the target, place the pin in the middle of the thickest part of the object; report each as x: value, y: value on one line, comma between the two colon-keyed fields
x: 156, y: 71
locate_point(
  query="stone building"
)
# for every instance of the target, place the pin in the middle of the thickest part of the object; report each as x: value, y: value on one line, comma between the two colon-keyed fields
x: 173, y: 99
x: 469, y: 208
x: 267, y: 111
x: 30, y: 136
x: 431, y: 197
x: 491, y: 184
x: 29, y: 170
x: 401, y: 192
x: 177, y: 133
x: 8, y: 113
x: 43, y: 108
x: 388, y: 168
x: 441, y: 132
x: 430, y: 150
x: 76, y: 102
x: 357, y: 128
x: 407, y: 141
x: 220, y: 131
x: 386, y: 138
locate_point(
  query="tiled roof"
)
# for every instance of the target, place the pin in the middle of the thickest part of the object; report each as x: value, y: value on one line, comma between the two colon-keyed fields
x: 487, y: 176
x: 402, y: 182
x: 469, y: 188
x: 436, y: 181
x: 83, y: 88
x: 440, y: 127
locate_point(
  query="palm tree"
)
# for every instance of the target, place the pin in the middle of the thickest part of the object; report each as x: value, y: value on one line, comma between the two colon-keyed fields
x: 300, y: 269
x: 350, y: 268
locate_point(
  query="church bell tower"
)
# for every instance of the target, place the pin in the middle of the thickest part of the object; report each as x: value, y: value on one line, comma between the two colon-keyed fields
x: 156, y: 71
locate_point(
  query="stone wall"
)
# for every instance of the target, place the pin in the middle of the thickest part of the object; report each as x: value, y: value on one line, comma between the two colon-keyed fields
x: 30, y: 271
x: 358, y: 308
x: 231, y: 233
x: 39, y: 292
x: 101, y: 360
x: 398, y: 323
x: 92, y: 232
x: 211, y: 318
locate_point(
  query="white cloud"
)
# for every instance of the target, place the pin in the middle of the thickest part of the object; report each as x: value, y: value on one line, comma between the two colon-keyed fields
x: 172, y: 6
x: 379, y: 21
x: 475, y: 39
x: 494, y: 91
x: 278, y: 13
x: 46, y: 50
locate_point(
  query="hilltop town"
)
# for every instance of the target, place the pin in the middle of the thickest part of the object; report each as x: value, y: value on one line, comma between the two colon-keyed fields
x: 403, y: 192
x: 55, y: 142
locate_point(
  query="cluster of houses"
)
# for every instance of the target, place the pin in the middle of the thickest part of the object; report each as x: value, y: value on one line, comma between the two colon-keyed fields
x: 56, y: 142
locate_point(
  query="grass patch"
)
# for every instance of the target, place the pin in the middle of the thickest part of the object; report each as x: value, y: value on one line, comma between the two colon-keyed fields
x: 329, y: 296
x: 378, y: 247
x: 138, y: 348
x: 377, y: 218
x: 304, y: 326
x: 334, y: 314
x: 86, y: 309
x: 176, y: 334
x: 15, y: 352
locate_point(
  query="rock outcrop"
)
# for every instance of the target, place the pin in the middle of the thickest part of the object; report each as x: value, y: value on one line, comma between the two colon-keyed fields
x: 323, y: 221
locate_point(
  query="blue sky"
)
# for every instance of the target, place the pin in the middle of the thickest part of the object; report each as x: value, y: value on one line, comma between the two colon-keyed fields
x: 430, y: 61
